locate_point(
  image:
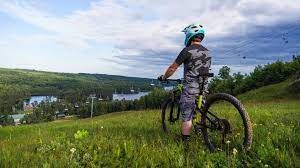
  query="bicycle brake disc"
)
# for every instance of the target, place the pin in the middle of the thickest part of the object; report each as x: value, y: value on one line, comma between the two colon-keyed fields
x: 225, y: 126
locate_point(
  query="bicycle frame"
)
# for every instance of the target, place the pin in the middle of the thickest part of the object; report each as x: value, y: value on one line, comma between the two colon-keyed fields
x: 198, y: 100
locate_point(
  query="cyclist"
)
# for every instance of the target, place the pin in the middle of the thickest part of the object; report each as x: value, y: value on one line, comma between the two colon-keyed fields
x: 196, y: 60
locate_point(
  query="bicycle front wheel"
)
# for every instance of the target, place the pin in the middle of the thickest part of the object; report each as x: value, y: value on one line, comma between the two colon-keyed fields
x: 170, y: 114
x: 227, y: 124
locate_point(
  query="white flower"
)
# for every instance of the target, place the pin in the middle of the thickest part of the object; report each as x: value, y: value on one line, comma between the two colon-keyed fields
x: 101, y: 127
x: 228, y: 142
x: 72, y: 150
x: 234, y: 151
x: 266, y: 165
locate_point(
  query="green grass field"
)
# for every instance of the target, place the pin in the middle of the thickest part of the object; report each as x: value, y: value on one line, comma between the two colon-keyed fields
x: 135, y: 139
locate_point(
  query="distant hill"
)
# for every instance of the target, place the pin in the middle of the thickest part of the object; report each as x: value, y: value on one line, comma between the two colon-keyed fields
x: 52, y: 83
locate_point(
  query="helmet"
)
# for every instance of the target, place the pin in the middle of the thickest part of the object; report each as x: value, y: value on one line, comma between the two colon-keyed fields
x: 193, y: 30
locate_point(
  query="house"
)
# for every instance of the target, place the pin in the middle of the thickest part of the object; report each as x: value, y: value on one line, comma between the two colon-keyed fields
x: 59, y: 115
x: 17, y: 118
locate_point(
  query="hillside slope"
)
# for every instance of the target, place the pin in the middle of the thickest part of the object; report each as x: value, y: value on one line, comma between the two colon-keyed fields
x: 135, y: 139
x: 51, y: 83
x: 288, y: 89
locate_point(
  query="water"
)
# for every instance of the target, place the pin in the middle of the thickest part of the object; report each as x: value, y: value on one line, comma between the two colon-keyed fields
x: 168, y: 88
x: 39, y: 99
x: 129, y: 96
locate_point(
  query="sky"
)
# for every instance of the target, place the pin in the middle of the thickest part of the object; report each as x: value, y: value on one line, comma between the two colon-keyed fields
x: 141, y: 38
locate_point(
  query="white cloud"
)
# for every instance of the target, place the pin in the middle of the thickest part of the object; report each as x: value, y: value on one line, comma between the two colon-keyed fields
x: 136, y: 28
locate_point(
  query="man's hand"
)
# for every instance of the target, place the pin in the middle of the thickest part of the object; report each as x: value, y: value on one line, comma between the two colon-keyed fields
x: 161, y: 78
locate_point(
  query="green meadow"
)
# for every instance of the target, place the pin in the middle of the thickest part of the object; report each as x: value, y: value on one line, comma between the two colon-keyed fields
x: 135, y: 139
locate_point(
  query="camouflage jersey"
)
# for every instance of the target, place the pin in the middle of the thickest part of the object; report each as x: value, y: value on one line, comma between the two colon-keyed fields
x: 197, y: 60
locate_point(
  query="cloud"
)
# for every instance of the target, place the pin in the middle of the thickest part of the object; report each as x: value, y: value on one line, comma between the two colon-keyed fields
x: 146, y: 34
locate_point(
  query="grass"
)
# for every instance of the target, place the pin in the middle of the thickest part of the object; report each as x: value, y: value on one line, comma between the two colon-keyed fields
x: 135, y: 139
x: 271, y: 92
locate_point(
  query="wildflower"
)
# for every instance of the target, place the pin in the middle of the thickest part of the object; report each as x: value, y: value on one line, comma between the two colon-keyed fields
x: 87, y: 157
x: 266, y: 165
x: 259, y: 161
x: 227, y: 142
x: 254, y: 124
x: 101, y: 127
x: 234, y: 151
x: 72, y: 150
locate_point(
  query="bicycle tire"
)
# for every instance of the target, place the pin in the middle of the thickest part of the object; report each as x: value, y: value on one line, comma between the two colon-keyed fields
x: 248, y: 132
x: 171, y: 104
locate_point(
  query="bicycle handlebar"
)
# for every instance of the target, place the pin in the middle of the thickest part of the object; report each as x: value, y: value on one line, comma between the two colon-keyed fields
x: 209, y: 75
x: 171, y: 80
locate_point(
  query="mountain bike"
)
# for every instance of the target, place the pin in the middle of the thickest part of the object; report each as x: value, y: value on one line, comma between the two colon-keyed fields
x: 220, y: 118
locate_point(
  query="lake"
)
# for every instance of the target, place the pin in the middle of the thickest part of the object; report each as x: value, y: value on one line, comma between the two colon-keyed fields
x: 168, y: 88
x: 133, y: 96
x: 39, y: 99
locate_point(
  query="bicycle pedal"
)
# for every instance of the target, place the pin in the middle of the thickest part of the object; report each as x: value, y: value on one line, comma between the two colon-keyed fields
x: 198, y: 130
x: 199, y: 125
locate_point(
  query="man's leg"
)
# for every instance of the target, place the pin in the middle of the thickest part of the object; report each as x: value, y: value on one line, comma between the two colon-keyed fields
x: 187, y: 107
x: 186, y: 127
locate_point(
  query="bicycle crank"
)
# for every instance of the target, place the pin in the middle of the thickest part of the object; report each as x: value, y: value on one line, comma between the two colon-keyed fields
x: 225, y: 128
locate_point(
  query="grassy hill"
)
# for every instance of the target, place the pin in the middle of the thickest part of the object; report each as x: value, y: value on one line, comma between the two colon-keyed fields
x: 51, y: 83
x: 288, y: 89
x: 135, y: 139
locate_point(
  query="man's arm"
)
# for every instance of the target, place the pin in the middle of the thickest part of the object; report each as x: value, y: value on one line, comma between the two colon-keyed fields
x: 173, y: 67
x: 171, y: 70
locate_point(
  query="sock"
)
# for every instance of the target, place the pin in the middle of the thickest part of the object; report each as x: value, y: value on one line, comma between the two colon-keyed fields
x: 185, y: 138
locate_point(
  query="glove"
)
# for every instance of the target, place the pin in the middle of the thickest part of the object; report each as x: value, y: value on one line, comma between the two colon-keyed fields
x: 161, y: 78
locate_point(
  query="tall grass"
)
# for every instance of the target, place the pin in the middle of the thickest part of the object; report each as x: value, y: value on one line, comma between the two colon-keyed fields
x: 135, y: 139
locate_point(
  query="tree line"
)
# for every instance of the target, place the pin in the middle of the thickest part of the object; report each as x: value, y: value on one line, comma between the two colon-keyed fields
x: 262, y: 75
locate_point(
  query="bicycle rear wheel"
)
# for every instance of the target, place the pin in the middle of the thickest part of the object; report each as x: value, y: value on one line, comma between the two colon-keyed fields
x: 170, y: 114
x: 227, y: 124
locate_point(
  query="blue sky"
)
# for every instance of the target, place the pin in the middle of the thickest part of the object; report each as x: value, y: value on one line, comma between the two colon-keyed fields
x: 141, y: 38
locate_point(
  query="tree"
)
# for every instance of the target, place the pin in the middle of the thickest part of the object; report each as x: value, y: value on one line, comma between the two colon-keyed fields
x: 224, y: 72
